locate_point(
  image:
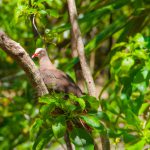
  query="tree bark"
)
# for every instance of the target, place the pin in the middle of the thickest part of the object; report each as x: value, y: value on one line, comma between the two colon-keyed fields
x: 77, y: 67
x: 80, y: 48
x: 18, y: 53
x: 67, y: 140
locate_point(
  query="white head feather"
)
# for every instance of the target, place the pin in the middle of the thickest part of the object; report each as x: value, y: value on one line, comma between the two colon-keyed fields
x: 38, y: 50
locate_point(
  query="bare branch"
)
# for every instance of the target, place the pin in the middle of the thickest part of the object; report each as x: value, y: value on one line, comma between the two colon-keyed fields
x: 18, y: 53
x: 80, y: 47
x: 77, y: 67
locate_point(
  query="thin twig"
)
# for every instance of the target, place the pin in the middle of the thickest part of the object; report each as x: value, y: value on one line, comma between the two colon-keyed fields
x: 10, y: 77
x: 104, y: 88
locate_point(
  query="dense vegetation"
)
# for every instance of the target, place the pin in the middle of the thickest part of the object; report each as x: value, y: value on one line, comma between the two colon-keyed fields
x: 117, y: 45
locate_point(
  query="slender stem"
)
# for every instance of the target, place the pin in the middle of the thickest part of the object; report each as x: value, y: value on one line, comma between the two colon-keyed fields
x: 104, y: 88
x: 80, y: 47
x: 67, y: 140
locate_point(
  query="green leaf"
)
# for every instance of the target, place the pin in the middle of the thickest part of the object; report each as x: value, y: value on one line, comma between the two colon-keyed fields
x: 82, y: 139
x: 42, y: 139
x: 42, y: 12
x: 117, y: 56
x: 100, y: 115
x: 35, y: 128
x: 143, y: 108
x: 47, y: 109
x: 127, y: 63
x: 96, y: 14
x: 132, y: 119
x: 146, y: 135
x: 118, y: 45
x: 93, y: 121
x: 142, y: 75
x: 108, y: 31
x: 148, y: 124
x: 79, y: 100
x: 92, y: 103
x: 53, y: 13
x: 41, y: 1
x: 140, y: 54
x: 59, y: 127
x: 137, y: 146
x: 129, y: 138
x: 139, y: 38
x: 68, y: 106
x: 141, y: 80
x: 46, y: 99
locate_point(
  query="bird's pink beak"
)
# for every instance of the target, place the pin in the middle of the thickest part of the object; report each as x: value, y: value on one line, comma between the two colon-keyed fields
x: 35, y: 55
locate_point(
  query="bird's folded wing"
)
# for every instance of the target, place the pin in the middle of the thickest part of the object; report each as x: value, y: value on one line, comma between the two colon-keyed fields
x: 59, y: 81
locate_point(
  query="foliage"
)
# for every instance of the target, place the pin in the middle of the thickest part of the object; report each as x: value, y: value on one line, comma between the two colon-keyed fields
x: 58, y: 115
x: 109, y: 29
x: 130, y: 70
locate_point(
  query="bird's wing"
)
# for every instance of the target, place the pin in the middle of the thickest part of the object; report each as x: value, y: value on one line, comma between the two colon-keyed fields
x: 59, y: 81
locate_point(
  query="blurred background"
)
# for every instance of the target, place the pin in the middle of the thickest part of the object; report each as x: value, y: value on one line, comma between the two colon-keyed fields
x: 103, y: 24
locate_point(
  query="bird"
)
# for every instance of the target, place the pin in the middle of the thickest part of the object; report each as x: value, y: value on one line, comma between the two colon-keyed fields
x: 58, y: 81
x: 55, y: 79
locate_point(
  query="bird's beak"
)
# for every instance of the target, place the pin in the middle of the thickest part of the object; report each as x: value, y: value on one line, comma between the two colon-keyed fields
x: 35, y: 55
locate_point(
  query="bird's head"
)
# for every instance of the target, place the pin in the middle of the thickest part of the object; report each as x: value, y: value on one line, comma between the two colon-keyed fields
x: 39, y: 52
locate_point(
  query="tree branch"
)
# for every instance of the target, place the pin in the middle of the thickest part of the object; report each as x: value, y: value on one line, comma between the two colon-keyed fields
x: 76, y: 34
x: 77, y: 67
x: 18, y: 53
x: 80, y: 47
x: 67, y: 140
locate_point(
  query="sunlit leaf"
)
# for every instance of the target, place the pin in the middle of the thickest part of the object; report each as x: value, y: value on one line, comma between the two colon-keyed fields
x: 42, y: 139
x: 81, y: 139
x: 92, y: 102
x: 53, y: 13
x: 93, y: 121
x: 79, y: 100
x: 47, y: 99
x: 136, y: 146
x: 59, y: 127
x: 35, y: 128
x: 143, y: 108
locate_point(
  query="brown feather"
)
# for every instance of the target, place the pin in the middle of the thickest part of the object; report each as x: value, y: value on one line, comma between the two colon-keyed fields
x: 55, y: 79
